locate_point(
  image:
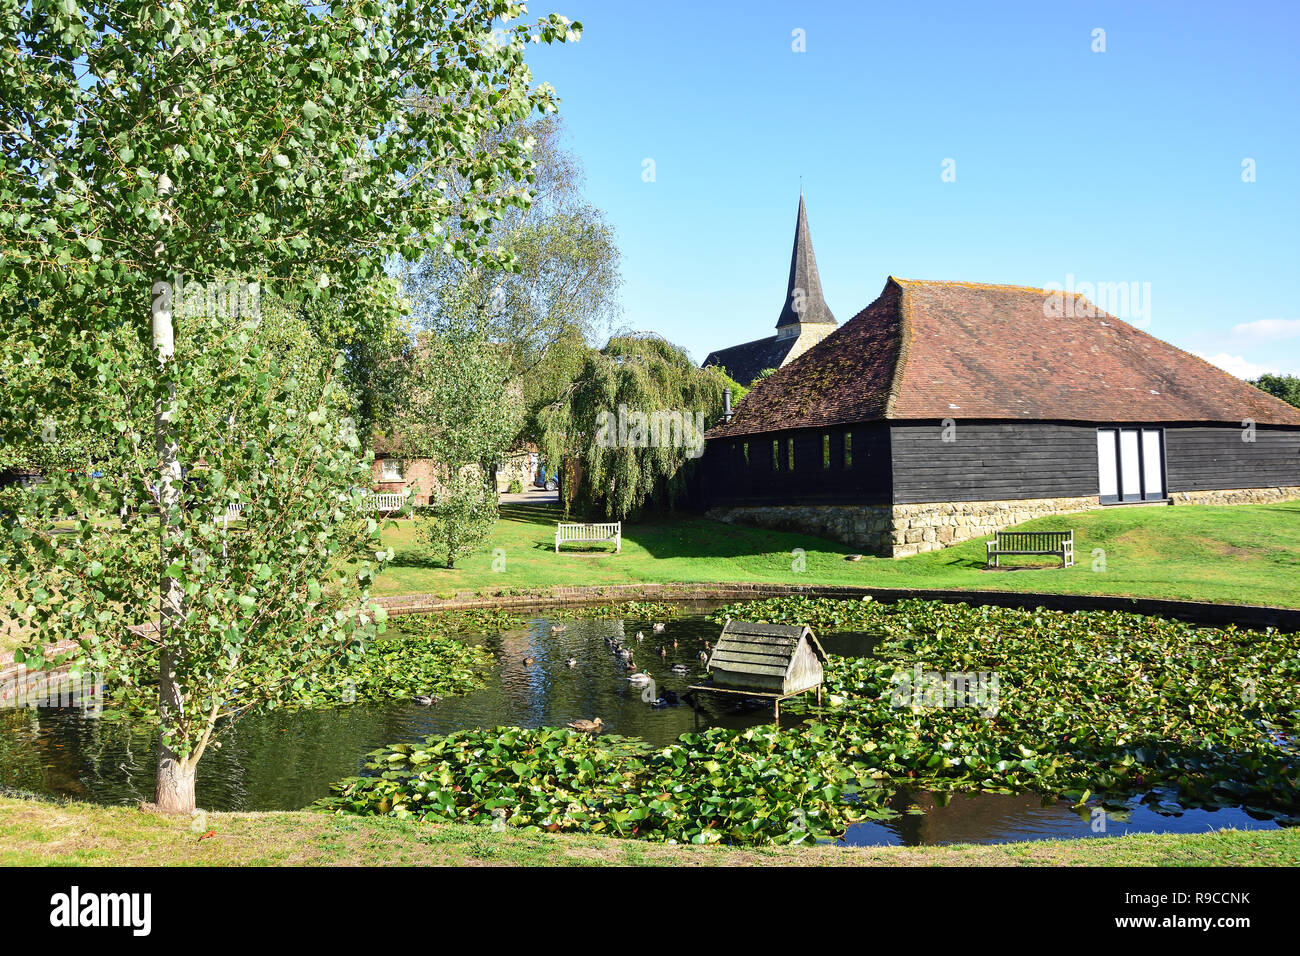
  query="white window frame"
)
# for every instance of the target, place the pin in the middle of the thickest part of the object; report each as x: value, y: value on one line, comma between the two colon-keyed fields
x: 1141, y: 442
x: 396, y: 470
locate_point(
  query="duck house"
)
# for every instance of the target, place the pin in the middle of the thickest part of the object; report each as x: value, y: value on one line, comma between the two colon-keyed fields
x: 770, y: 659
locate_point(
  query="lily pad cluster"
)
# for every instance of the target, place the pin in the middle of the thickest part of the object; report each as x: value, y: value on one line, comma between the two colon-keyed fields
x: 1099, y: 706
x: 751, y: 787
x: 391, y: 668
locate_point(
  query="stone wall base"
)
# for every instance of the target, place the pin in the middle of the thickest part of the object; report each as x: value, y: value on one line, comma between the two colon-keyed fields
x: 898, y: 530
x: 901, y: 530
x: 1242, y: 496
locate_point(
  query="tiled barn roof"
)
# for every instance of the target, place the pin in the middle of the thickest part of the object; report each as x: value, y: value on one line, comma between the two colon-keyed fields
x: 933, y: 350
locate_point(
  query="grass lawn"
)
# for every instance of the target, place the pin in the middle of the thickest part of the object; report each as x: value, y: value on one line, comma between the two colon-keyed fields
x: 1243, y: 554
x: 39, y: 834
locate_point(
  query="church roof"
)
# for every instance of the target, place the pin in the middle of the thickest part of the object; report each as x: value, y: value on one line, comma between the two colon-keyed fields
x: 744, y: 362
x: 803, y: 295
x: 934, y: 350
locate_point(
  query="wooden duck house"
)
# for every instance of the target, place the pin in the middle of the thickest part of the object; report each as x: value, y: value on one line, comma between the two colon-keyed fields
x: 778, y: 660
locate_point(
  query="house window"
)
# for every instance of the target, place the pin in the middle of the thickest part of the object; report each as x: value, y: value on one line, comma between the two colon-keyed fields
x: 744, y: 448
x: 848, y: 450
x: 789, y: 452
x: 391, y: 470
x: 826, y: 451
x: 1130, y: 464
x: 776, y: 454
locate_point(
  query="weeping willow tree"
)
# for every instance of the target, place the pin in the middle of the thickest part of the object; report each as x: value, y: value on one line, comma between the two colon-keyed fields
x: 629, y: 427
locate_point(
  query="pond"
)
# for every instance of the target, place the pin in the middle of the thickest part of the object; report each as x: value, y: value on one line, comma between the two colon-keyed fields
x: 286, y: 760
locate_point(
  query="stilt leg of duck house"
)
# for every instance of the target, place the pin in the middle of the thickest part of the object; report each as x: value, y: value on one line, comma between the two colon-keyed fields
x: 776, y: 713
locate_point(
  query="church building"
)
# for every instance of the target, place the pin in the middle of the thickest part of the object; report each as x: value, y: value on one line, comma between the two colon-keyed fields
x: 805, y: 318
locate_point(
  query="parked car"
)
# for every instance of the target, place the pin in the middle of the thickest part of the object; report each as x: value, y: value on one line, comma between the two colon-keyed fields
x: 550, y: 482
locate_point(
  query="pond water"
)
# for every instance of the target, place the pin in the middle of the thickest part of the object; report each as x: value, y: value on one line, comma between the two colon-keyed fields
x: 286, y: 760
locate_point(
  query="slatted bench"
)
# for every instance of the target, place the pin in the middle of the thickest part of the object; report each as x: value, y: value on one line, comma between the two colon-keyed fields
x: 386, y: 503
x: 572, y: 532
x: 1059, y: 543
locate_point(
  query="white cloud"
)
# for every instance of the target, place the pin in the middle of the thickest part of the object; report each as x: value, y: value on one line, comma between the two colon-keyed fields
x: 1271, y: 329
x: 1238, y: 366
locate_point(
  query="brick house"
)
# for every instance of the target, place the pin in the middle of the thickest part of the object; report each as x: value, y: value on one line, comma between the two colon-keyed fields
x: 393, y: 474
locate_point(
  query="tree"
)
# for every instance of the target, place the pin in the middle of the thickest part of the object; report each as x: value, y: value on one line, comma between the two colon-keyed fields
x: 560, y: 279
x: 148, y: 144
x: 633, y: 423
x: 459, y: 408
x: 460, y: 515
x: 1285, y: 387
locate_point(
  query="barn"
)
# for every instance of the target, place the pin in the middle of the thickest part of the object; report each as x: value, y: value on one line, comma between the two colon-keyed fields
x: 945, y: 411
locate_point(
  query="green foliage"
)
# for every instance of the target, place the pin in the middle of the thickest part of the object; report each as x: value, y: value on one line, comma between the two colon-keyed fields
x: 270, y: 141
x: 1096, y: 707
x: 625, y: 469
x: 1285, y: 387
x: 270, y: 597
x: 516, y: 487
x: 456, y: 404
x: 460, y: 516
x: 470, y: 620
x: 755, y: 786
x: 390, y: 668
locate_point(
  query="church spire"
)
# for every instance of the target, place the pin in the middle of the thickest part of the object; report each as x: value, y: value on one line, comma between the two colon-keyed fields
x: 803, y: 297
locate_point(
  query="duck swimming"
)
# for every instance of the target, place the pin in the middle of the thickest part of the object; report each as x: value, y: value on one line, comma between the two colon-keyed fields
x: 658, y: 628
x: 663, y: 652
x: 641, y: 677
x: 587, y: 726
x: 529, y: 660
x: 425, y: 700
x: 680, y: 669
x: 639, y: 636
x: 557, y: 628
x: 572, y: 662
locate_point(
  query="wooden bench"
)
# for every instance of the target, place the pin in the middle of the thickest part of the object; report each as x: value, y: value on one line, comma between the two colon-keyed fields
x: 568, y: 533
x: 386, y: 503
x: 1060, y: 543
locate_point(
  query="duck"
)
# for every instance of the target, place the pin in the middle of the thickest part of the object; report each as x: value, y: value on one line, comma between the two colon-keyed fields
x: 557, y: 628
x: 630, y: 665
x: 529, y: 660
x: 625, y: 654
x: 674, y: 642
x: 571, y: 662
x: 639, y: 637
x: 587, y: 726
x: 680, y: 669
x: 425, y: 700
x: 663, y: 652
x: 704, y: 656
x: 658, y: 628
x: 640, y: 677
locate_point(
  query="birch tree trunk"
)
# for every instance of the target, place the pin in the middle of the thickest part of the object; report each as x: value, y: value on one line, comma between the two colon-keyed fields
x: 174, y: 790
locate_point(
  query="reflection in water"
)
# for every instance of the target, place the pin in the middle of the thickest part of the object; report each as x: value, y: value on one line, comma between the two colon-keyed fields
x: 286, y: 760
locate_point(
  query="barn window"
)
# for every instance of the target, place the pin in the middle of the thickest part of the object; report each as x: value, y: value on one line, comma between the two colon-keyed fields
x: 776, y: 454
x: 848, y: 449
x: 744, y: 448
x: 1130, y: 464
x: 826, y: 451
x: 789, y: 452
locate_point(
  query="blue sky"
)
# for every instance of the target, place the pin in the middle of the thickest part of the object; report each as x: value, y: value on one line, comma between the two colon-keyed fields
x: 1071, y: 166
